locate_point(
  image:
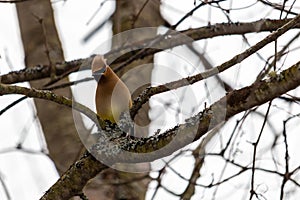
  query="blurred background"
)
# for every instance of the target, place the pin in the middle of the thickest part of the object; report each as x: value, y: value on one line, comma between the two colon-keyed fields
x: 39, y: 139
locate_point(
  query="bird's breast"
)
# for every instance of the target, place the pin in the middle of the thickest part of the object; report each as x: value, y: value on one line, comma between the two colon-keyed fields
x: 112, y: 100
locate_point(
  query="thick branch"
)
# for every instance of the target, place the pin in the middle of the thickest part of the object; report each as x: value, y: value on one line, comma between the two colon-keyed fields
x: 235, y: 102
x: 211, y: 31
x: 39, y: 72
x: 44, y: 71
x: 72, y: 182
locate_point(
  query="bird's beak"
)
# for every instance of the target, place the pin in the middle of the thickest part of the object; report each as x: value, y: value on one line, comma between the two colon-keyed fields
x: 97, y: 74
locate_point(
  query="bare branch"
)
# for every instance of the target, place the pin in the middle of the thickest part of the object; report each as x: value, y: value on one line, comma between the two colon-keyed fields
x: 73, y: 180
x: 47, y: 95
x: 255, y: 145
x: 145, y: 96
x: 63, y: 69
x: 235, y: 102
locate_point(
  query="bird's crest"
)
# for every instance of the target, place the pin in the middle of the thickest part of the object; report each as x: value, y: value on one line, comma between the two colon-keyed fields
x: 98, y: 64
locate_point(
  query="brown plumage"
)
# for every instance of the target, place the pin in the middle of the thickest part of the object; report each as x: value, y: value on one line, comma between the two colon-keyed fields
x: 112, y: 95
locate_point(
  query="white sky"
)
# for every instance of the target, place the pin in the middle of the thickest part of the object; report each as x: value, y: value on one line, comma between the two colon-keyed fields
x: 17, y: 168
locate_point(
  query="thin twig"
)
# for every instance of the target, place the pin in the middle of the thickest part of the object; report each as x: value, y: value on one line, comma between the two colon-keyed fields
x: 145, y: 96
x: 255, y: 145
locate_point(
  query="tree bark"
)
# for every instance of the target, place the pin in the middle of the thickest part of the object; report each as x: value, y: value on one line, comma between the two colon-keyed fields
x: 42, y: 46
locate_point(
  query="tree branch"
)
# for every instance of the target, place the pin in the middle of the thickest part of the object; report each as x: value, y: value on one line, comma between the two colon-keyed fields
x: 48, y: 95
x: 235, y: 102
x: 44, y: 71
x: 39, y: 72
x: 72, y: 182
x: 150, y: 91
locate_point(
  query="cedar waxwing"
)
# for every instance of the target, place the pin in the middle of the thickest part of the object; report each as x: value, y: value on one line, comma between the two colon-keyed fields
x: 112, y: 95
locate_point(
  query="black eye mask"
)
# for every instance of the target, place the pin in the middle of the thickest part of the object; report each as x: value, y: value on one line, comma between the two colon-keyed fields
x: 97, y: 74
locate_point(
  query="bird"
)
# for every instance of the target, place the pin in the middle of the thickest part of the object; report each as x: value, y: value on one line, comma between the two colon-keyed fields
x: 112, y: 96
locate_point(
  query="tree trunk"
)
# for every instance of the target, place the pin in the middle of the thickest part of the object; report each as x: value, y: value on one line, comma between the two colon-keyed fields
x: 42, y: 46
